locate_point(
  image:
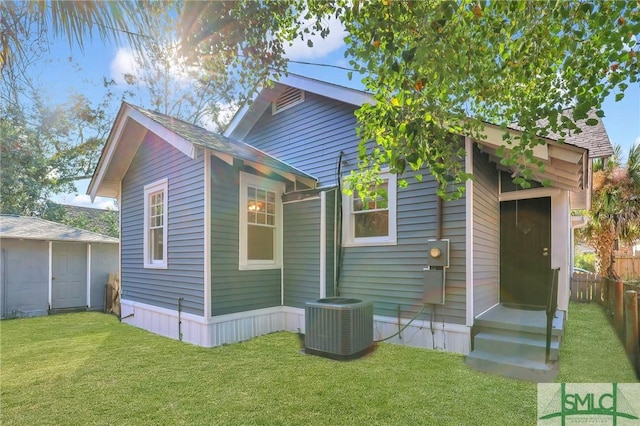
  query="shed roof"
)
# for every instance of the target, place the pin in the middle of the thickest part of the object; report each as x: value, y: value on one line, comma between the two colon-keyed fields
x: 34, y: 228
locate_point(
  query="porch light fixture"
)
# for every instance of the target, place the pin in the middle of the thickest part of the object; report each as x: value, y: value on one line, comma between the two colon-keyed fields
x: 254, y: 207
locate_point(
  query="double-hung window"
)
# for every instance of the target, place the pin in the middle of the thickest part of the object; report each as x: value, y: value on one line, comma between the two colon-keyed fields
x: 260, y: 222
x: 371, y: 221
x: 155, y: 225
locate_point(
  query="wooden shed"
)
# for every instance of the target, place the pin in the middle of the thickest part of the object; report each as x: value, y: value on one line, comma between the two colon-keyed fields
x: 49, y: 267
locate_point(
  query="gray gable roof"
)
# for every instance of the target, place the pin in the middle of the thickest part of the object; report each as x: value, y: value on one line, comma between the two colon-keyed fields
x: 592, y: 138
x: 214, y: 141
x: 34, y: 228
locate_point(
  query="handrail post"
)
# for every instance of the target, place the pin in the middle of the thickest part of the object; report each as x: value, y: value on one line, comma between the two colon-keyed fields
x: 552, y: 305
x: 631, y: 326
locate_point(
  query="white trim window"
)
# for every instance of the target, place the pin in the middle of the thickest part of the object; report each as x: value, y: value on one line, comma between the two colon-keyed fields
x: 260, y: 222
x: 371, y: 222
x: 155, y: 224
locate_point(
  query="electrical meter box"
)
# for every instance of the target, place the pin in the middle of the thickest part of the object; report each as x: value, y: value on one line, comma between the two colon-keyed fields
x: 438, y: 254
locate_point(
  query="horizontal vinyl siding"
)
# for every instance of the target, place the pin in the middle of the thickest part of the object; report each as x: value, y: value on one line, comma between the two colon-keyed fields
x: 391, y: 276
x: 301, y: 252
x: 233, y: 290
x: 309, y: 136
x: 184, y: 277
x: 486, y: 234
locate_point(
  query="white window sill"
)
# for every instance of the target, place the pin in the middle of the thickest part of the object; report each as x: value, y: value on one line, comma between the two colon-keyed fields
x: 369, y: 243
x: 258, y: 267
x: 155, y: 266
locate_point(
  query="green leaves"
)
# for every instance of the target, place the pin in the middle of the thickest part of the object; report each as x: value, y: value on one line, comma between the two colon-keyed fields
x: 447, y: 67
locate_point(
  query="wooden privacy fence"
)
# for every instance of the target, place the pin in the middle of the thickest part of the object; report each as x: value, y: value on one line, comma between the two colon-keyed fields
x: 627, y: 267
x: 586, y: 288
x: 621, y: 302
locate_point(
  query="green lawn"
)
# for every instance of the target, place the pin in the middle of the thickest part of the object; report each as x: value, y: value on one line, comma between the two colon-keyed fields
x: 90, y: 369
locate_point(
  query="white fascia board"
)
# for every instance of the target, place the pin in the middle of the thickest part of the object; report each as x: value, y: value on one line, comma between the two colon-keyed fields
x: 125, y: 113
x: 175, y: 140
x: 329, y: 90
x: 493, y: 136
x: 237, y: 118
x: 108, y: 152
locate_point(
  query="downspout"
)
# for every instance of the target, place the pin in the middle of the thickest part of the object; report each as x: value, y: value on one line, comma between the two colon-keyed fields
x: 438, y: 217
x: 339, y: 218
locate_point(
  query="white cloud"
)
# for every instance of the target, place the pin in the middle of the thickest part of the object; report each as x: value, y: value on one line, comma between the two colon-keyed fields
x: 83, y: 200
x: 123, y: 63
x: 637, y: 142
x: 299, y: 50
x: 126, y: 62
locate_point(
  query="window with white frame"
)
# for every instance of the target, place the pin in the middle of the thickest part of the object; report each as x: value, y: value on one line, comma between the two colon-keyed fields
x: 260, y: 222
x: 155, y: 225
x: 371, y: 221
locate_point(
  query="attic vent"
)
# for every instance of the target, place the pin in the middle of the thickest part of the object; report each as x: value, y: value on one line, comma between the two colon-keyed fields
x: 290, y: 97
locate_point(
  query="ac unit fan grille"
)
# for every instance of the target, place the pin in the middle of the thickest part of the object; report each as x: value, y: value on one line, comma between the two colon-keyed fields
x: 338, y: 330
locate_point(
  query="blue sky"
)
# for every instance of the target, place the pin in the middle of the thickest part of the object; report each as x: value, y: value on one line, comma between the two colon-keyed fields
x: 58, y: 78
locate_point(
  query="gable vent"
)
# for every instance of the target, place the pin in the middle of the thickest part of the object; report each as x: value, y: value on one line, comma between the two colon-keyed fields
x: 290, y: 97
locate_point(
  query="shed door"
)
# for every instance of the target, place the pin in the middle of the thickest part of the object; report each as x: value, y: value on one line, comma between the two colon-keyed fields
x: 69, y: 275
x: 525, y: 252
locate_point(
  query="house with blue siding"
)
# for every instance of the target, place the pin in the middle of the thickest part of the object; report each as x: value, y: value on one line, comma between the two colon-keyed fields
x: 226, y: 237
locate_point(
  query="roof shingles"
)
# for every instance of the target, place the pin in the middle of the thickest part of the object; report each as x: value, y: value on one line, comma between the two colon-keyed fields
x: 34, y: 228
x: 214, y: 141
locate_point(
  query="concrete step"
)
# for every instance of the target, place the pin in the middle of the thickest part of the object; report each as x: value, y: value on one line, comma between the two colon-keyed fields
x: 512, y: 366
x: 524, y: 326
x: 529, y: 346
x: 54, y: 311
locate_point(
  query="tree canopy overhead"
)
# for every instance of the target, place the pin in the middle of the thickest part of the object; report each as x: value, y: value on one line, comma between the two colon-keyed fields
x: 74, y: 20
x: 441, y: 68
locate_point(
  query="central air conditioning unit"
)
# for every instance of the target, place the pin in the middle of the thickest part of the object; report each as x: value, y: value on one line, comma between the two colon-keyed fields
x: 338, y: 327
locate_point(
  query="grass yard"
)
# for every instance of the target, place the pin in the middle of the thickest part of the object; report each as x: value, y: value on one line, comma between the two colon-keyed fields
x: 90, y: 369
x: 591, y: 352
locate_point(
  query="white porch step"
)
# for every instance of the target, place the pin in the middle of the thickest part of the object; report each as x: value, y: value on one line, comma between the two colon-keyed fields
x: 512, y: 366
x: 525, y: 345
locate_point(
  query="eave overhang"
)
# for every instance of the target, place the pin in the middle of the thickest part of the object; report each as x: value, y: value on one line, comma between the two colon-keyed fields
x: 565, y: 166
x: 131, y: 127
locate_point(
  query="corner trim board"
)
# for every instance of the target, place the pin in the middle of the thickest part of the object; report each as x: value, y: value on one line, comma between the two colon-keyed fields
x: 469, y: 271
x: 323, y: 245
x: 88, y: 275
x: 207, y: 234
